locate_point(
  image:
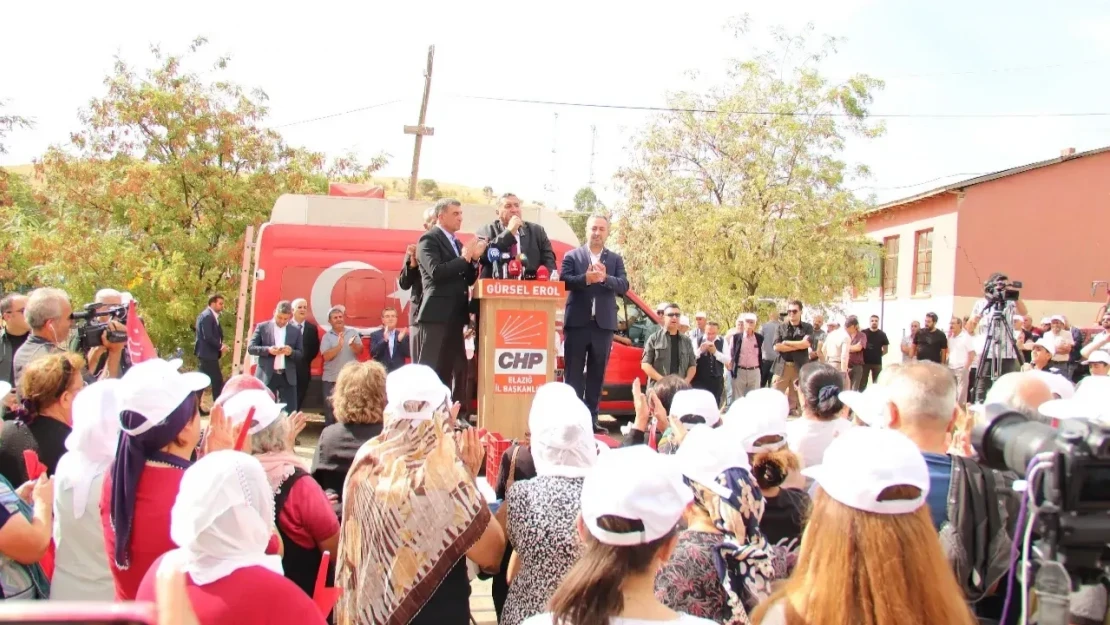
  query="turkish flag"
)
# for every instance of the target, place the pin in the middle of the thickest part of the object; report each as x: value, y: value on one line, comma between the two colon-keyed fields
x: 139, y: 347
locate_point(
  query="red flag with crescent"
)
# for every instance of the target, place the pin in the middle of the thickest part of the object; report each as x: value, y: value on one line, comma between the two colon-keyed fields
x: 139, y: 346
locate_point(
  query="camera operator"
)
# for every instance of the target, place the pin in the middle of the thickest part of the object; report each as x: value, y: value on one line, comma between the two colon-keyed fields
x: 1004, y: 351
x: 100, y: 358
x: 50, y: 315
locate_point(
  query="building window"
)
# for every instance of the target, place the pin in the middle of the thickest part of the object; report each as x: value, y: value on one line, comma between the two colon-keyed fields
x: 890, y: 266
x: 923, y: 262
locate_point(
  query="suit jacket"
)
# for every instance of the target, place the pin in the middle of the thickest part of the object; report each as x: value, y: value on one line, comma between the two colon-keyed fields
x: 210, y: 336
x: 446, y: 278
x: 263, y: 339
x: 379, y: 350
x: 600, y: 298
x: 534, y: 244
x: 409, y: 278
x: 310, y: 341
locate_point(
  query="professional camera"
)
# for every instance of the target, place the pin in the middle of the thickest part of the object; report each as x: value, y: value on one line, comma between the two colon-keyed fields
x: 1068, y: 483
x: 1000, y: 289
x: 93, y: 322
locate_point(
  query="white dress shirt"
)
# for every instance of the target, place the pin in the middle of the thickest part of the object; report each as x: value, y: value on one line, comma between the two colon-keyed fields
x: 279, y: 341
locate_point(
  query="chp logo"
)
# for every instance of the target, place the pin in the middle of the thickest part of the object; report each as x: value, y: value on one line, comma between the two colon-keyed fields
x: 520, y: 351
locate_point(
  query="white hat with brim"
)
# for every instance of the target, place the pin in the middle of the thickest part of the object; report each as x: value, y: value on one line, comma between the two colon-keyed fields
x: 1090, y: 401
x: 1098, y: 356
x: 871, y: 405
x: 683, y: 320
x: 704, y: 454
x: 1046, y: 343
x: 861, y: 463
x: 417, y: 384
x: 700, y: 314
x: 155, y: 388
x: 266, y: 410
x: 1059, y: 318
x: 759, y: 414
x: 638, y: 484
x: 696, y: 401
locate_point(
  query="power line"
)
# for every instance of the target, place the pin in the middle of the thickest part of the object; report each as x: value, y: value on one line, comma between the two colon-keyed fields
x: 918, y: 184
x: 668, y: 109
x: 997, y: 70
x: 329, y: 116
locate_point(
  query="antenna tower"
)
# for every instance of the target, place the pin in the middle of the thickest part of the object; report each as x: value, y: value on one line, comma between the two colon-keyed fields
x: 593, y: 152
x: 552, y: 188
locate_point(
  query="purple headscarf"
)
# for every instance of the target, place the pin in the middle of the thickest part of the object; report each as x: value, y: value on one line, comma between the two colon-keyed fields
x: 131, y: 456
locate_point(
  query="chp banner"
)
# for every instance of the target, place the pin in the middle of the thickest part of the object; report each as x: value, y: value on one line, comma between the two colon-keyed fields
x: 520, y: 352
x: 139, y: 345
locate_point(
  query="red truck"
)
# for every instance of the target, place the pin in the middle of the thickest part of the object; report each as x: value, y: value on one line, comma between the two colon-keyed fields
x: 349, y: 250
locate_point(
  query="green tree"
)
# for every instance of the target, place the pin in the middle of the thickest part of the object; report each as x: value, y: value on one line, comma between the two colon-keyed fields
x: 429, y: 188
x: 155, y: 190
x: 8, y: 123
x: 487, y: 192
x: 585, y: 201
x: 743, y: 188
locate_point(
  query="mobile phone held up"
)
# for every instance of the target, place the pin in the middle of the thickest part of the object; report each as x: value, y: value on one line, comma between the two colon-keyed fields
x: 77, y: 613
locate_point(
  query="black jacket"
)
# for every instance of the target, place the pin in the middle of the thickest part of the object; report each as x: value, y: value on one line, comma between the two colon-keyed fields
x: 310, y: 343
x: 409, y: 279
x: 737, y: 343
x: 536, y: 247
x: 446, y: 278
x: 210, y: 336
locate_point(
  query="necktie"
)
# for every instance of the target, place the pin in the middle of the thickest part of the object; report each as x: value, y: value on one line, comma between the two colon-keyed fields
x: 392, y: 334
x: 458, y: 246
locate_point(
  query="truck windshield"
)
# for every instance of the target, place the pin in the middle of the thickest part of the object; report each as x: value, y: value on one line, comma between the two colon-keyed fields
x: 633, y: 322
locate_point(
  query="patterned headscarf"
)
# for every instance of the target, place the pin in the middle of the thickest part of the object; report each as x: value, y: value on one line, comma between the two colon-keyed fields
x: 411, y: 511
x: 745, y: 563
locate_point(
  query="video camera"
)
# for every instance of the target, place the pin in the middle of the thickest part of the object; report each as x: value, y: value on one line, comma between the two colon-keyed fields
x: 999, y: 289
x: 93, y: 322
x: 1070, y: 489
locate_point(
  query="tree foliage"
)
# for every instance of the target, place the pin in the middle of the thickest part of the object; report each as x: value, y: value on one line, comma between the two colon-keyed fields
x: 429, y: 188
x: 155, y: 190
x: 742, y: 190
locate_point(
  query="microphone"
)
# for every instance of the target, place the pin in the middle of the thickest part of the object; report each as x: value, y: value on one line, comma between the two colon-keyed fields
x: 494, y: 256
x: 505, y: 265
x: 515, y: 269
x: 523, y: 260
x: 542, y: 273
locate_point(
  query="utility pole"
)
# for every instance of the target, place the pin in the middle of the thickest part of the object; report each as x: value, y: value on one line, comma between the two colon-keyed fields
x: 420, y: 129
x: 593, y: 152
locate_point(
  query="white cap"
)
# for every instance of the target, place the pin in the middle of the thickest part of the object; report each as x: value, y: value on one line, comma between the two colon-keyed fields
x: 155, y: 388
x: 5, y: 388
x: 704, y: 454
x: 1059, y: 318
x: 699, y: 315
x: 266, y: 410
x: 1090, y: 401
x: 1045, y: 320
x: 1098, y: 355
x: 683, y: 320
x: 698, y: 402
x: 872, y: 405
x: 1058, y: 384
x: 562, y: 441
x: 417, y: 383
x: 638, y: 484
x: 762, y: 412
x: 1047, y: 343
x: 750, y: 317
x: 861, y: 463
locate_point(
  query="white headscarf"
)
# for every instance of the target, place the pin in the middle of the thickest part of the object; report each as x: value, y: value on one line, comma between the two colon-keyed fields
x: 91, y: 444
x: 223, y: 518
x: 563, y: 442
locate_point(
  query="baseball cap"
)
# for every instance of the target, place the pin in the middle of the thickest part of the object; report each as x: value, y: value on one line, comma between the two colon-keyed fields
x: 762, y: 412
x: 1096, y: 356
x: 638, y: 484
x: 699, y: 315
x: 862, y: 462
x: 683, y: 320
x: 870, y: 405
x: 266, y: 410
x: 1046, y: 343
x: 750, y: 317
x: 414, y: 383
x: 705, y: 454
x: 155, y: 388
x: 562, y: 431
x: 1090, y: 401
x: 1045, y: 321
x: 698, y: 402
x: 1059, y: 318
x: 1058, y: 384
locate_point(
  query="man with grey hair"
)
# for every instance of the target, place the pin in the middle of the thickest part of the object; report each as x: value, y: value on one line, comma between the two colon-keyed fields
x: 340, y: 345
x: 277, y: 345
x: 745, y: 350
x: 310, y: 336
x: 969, y: 503
x: 511, y: 235
x: 108, y: 299
x: 447, y: 269
x: 1022, y: 391
x: 48, y: 314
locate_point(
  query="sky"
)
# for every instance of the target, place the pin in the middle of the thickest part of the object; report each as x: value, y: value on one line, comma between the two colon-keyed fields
x: 321, y: 58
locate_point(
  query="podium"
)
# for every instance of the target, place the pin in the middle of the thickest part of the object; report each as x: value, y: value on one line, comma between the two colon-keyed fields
x: 516, y: 349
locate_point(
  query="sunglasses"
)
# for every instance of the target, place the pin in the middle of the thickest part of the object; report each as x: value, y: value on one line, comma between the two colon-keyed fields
x: 672, y: 315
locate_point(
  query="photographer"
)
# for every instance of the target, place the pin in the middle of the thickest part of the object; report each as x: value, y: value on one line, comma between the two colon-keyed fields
x: 110, y: 356
x: 996, y: 290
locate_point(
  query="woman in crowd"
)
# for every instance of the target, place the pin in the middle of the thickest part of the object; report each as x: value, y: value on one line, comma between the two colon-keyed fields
x: 632, y: 503
x: 655, y: 404
x: 870, y: 554
x: 221, y: 523
x: 542, y: 511
x: 48, y: 388
x: 160, y: 419
x: 358, y: 401
x: 410, y: 504
x: 25, y: 520
x: 721, y: 567
x: 822, y: 413
x: 81, y: 570
x: 305, y: 519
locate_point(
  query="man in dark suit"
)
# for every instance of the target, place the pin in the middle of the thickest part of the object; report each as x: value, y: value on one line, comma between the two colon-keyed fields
x: 388, y: 345
x: 509, y: 233
x: 409, y: 278
x: 278, y: 346
x: 447, y: 269
x: 209, y: 346
x: 594, y: 277
x: 310, y: 338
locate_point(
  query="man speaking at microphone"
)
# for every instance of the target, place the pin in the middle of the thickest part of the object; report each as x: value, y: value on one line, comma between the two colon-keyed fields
x: 594, y: 277
x: 510, y: 234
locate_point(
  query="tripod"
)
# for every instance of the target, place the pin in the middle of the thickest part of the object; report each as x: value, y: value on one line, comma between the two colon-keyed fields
x: 998, y: 329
